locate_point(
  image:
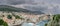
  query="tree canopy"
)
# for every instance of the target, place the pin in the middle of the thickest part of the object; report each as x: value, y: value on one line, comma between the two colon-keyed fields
x: 54, y: 21
x: 3, y: 23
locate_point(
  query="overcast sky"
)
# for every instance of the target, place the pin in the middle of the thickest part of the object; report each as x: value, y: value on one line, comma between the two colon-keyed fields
x: 14, y: 2
x: 45, y: 6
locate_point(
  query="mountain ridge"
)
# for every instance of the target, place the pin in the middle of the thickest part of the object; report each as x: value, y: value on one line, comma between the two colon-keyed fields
x: 14, y: 9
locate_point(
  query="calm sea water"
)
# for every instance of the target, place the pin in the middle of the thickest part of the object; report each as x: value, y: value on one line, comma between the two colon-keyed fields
x: 41, y: 23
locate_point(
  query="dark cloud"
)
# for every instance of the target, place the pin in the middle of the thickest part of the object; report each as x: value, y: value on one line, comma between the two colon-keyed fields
x: 15, y: 2
x: 54, y: 9
x: 12, y: 2
x: 35, y: 4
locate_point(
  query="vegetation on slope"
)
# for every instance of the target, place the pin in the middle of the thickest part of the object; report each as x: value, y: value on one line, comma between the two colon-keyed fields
x: 55, y: 21
x: 2, y: 23
x: 9, y: 17
x: 18, y: 17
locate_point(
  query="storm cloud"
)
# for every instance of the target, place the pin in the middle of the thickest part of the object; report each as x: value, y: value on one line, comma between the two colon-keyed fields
x: 11, y: 2
x: 46, y: 6
x: 15, y: 2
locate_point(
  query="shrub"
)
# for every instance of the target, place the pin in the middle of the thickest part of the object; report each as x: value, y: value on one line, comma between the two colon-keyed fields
x: 3, y: 23
x: 9, y: 17
x: 45, y: 24
x: 55, y: 21
x: 18, y: 17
